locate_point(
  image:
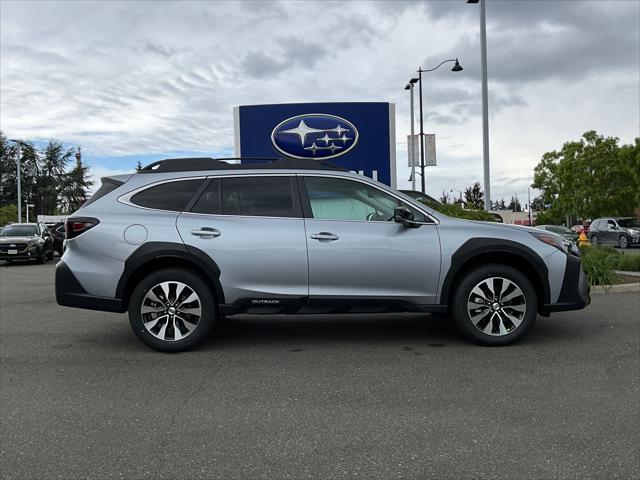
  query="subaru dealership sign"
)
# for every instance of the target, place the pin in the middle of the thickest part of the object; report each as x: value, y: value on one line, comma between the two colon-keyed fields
x: 357, y: 136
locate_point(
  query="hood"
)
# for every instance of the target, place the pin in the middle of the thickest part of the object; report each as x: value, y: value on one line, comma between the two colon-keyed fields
x: 19, y: 239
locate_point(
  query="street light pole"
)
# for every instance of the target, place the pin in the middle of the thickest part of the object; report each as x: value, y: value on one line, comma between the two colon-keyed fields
x: 18, y: 144
x: 412, y: 153
x: 456, y: 68
x: 422, y: 180
x: 485, y: 103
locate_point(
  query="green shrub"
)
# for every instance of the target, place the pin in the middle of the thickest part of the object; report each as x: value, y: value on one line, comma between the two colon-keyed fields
x: 455, y: 210
x: 629, y: 263
x: 599, y: 264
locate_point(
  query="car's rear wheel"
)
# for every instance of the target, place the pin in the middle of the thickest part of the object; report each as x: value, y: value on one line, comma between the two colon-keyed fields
x: 494, y: 304
x: 623, y: 241
x: 172, y: 310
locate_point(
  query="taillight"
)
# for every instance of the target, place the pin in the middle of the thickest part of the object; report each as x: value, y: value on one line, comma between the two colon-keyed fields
x: 75, y: 226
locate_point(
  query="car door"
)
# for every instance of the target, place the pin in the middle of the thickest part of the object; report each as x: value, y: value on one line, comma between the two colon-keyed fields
x: 357, y: 251
x: 252, y: 227
x: 609, y: 232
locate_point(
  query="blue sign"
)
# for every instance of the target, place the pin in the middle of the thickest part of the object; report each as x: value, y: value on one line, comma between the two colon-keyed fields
x: 357, y: 136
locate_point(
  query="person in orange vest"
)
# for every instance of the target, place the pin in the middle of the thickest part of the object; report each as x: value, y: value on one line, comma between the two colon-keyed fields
x: 583, y: 241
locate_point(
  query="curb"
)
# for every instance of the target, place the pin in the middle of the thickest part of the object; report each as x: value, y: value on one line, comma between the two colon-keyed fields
x: 625, y: 288
x: 624, y: 272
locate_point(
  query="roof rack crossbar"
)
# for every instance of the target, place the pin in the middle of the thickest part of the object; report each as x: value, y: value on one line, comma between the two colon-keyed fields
x: 244, y: 163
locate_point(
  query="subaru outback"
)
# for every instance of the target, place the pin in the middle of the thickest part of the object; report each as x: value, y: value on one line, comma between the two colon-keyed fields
x: 183, y: 243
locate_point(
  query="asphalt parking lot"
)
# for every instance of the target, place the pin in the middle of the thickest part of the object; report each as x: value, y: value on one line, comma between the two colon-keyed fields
x: 394, y: 396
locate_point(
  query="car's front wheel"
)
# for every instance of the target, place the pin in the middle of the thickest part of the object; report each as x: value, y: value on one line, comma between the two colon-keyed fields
x: 172, y: 310
x: 494, y: 304
x: 623, y: 241
x: 594, y: 240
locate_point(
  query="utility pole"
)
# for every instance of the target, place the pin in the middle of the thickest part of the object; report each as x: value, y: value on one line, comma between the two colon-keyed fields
x: 485, y: 107
x: 19, y: 178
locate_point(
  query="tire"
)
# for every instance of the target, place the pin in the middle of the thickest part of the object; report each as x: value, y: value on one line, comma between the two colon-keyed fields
x: 594, y: 240
x: 160, y: 330
x: 623, y: 242
x: 51, y: 254
x: 41, y: 259
x: 493, y: 320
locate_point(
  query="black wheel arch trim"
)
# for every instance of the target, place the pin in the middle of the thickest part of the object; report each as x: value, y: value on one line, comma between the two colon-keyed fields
x: 162, y: 251
x: 475, y: 247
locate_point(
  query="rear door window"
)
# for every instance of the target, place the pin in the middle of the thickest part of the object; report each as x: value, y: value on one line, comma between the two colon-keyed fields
x: 172, y: 196
x: 260, y: 196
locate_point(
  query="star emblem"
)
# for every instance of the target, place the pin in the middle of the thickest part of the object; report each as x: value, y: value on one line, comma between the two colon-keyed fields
x: 302, y: 130
x: 326, y: 139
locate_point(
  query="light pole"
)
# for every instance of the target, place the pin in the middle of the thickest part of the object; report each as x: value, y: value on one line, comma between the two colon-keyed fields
x: 29, y: 205
x: 18, y: 144
x: 411, y: 145
x: 485, y: 104
x: 456, y: 68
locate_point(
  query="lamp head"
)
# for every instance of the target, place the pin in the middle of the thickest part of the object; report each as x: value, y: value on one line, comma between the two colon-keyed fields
x: 457, y: 67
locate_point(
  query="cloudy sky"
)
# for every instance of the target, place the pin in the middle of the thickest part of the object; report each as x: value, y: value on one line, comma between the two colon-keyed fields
x: 145, y: 80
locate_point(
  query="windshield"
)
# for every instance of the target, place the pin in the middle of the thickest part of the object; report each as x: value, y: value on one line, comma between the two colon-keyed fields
x: 19, y: 231
x: 628, y: 222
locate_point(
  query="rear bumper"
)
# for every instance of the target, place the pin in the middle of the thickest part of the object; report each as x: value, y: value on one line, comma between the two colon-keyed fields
x: 70, y: 293
x: 575, y: 291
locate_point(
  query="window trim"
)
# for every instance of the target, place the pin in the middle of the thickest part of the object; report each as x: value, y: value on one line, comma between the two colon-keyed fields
x: 126, y: 198
x: 295, y: 196
x: 308, y: 214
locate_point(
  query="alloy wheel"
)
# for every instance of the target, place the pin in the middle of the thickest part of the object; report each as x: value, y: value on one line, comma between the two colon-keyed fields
x: 171, y: 311
x: 496, y: 306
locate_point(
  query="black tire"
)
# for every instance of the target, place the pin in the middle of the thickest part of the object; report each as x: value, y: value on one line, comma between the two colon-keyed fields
x: 203, y: 327
x: 50, y: 255
x: 41, y: 259
x: 462, y: 318
x: 623, y: 242
x: 594, y: 240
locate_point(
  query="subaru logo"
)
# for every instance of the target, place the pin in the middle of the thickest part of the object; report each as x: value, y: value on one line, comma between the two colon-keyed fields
x: 314, y: 135
x: 12, y: 245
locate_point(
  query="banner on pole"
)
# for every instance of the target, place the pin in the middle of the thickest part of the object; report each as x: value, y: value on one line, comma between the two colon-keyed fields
x: 413, y: 150
x: 430, y: 149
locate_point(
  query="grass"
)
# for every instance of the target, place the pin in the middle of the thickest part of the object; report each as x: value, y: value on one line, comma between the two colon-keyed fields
x: 600, y: 263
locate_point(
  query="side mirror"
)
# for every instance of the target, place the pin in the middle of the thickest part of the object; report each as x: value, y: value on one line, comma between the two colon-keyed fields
x: 405, y: 217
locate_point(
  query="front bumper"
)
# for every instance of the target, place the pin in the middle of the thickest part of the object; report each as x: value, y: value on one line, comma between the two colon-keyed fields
x: 575, y: 291
x: 28, y: 253
x: 70, y: 293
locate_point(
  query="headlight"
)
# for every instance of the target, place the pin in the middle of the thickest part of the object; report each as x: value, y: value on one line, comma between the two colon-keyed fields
x: 553, y: 240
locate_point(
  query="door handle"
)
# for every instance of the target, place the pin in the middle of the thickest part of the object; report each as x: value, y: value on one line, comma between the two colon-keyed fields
x: 206, y: 232
x: 325, y: 236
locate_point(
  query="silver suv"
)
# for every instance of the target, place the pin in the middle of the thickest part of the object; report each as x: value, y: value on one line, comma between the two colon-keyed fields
x: 185, y: 242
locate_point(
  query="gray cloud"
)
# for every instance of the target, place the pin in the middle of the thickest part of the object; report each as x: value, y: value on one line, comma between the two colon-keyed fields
x: 151, y: 77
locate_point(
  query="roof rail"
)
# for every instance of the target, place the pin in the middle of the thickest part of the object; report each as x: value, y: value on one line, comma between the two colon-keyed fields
x: 244, y: 163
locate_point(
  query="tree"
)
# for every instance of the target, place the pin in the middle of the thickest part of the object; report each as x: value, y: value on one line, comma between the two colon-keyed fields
x: 45, y: 181
x: 75, y: 186
x: 54, y: 159
x: 592, y: 177
x: 474, y: 197
x: 445, y: 198
x: 138, y: 166
x: 514, y: 204
x: 537, y: 204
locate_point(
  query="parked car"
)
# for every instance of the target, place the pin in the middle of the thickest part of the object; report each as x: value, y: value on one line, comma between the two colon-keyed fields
x: 58, y: 233
x: 561, y: 230
x: 184, y: 242
x: 423, y: 197
x: 26, y: 241
x: 621, y: 231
